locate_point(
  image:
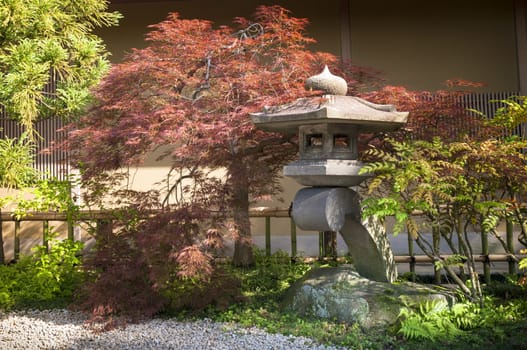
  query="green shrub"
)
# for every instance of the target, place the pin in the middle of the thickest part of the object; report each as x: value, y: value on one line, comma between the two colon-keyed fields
x: 8, y: 284
x: 219, y: 291
x: 43, y: 279
x: 427, y: 321
x: 271, y: 275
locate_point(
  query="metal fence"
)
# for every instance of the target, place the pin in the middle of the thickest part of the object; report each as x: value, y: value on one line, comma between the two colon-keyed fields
x: 49, y: 129
x: 49, y: 163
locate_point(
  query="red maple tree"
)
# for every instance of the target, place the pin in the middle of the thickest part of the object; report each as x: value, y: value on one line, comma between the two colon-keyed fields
x: 193, y: 88
x: 439, y: 113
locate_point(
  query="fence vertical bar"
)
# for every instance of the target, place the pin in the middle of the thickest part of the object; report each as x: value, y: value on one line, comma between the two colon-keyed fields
x: 2, y: 255
x: 69, y: 215
x: 293, y: 239
x: 17, y: 240
x: 71, y: 231
x: 330, y: 244
x: 411, y: 254
x: 321, y: 252
x: 436, y: 247
x: 45, y: 234
x: 510, y: 245
x: 485, y: 253
x: 268, y: 235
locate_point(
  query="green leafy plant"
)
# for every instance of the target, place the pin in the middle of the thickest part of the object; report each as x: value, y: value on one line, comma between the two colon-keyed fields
x: 8, y: 286
x: 512, y: 112
x: 456, y: 187
x: 48, y: 195
x: 465, y: 325
x: 47, y: 277
x: 523, y: 262
x: 523, y: 266
x: 59, y: 266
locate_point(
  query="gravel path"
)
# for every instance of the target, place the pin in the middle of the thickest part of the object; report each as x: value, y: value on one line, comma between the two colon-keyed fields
x: 61, y: 329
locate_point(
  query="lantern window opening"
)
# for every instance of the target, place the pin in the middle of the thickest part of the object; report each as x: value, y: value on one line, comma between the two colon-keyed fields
x: 341, y: 141
x: 314, y: 140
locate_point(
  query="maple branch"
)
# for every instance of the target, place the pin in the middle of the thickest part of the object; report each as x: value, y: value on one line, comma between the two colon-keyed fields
x: 178, y: 182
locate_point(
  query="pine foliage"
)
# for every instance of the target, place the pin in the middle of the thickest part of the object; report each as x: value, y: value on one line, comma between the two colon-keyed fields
x: 50, y: 38
x: 16, y: 162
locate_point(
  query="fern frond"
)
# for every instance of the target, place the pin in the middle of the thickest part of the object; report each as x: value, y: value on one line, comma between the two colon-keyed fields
x: 379, y: 155
x: 377, y: 167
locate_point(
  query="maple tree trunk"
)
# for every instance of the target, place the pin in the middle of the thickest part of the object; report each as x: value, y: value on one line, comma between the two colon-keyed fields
x: 243, y: 254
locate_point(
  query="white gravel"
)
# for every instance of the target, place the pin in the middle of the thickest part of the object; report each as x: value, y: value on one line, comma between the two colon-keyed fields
x: 62, y: 329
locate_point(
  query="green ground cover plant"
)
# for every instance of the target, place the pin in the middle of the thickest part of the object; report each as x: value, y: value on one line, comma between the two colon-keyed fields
x: 420, y: 326
x: 52, y: 278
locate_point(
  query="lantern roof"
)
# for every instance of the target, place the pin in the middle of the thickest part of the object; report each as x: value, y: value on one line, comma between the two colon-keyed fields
x: 330, y: 109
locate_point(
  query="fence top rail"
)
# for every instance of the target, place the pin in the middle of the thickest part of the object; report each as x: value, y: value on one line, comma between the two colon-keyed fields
x: 109, y: 214
x: 477, y: 257
x: 269, y: 211
x: 56, y: 216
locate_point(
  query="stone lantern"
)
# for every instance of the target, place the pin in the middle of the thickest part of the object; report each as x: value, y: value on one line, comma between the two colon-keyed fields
x: 328, y: 127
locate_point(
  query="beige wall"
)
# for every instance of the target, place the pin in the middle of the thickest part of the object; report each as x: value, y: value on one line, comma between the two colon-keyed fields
x: 137, y: 16
x: 30, y: 235
x: 420, y: 44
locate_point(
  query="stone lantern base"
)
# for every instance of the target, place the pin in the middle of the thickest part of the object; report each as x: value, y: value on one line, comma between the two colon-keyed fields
x: 326, y: 172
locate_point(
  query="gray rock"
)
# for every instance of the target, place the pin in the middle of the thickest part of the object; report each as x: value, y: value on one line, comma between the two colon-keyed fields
x: 340, y: 293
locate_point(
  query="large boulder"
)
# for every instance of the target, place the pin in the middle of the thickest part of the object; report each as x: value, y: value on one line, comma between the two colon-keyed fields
x: 340, y: 293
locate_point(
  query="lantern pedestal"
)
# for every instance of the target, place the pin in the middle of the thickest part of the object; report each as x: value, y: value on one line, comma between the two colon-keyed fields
x: 338, y: 209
